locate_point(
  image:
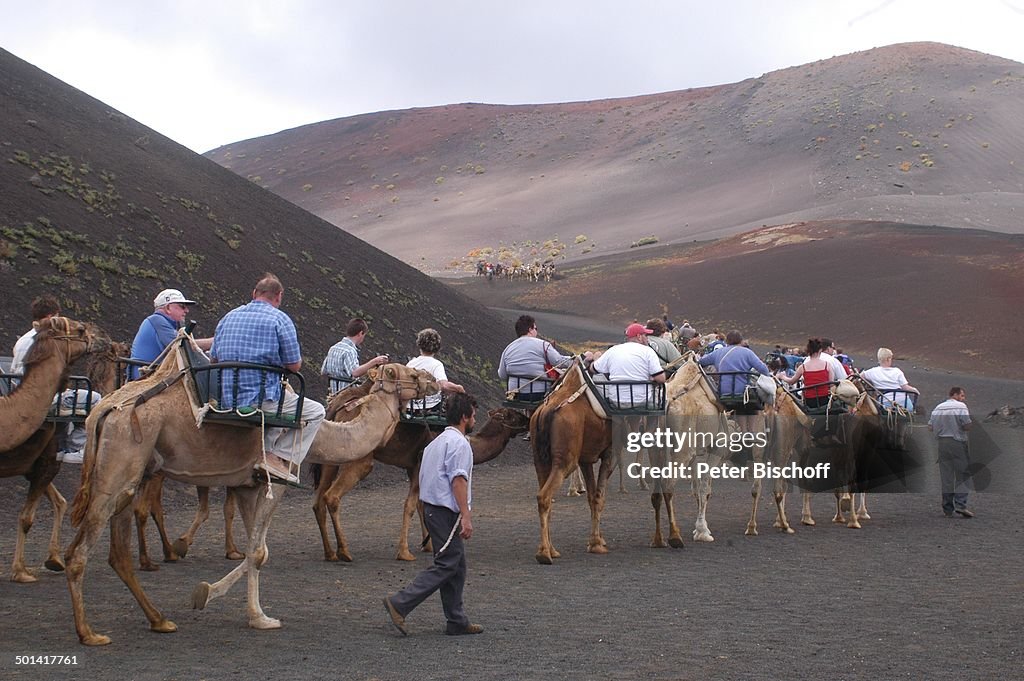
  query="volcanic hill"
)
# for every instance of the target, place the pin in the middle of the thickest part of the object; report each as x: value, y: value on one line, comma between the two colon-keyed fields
x: 919, y: 133
x: 105, y: 212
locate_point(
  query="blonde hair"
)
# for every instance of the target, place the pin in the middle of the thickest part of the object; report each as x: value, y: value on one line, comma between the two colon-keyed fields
x: 884, y: 354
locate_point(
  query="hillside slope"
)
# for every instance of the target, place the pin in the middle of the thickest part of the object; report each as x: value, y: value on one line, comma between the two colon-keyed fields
x: 106, y: 212
x: 921, y: 133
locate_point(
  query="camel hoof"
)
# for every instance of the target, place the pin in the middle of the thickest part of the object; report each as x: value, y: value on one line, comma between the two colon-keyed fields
x: 838, y: 519
x: 572, y: 493
x: 863, y: 516
x: 623, y: 490
x: 345, y: 556
x: 751, y: 532
x: 675, y: 542
x: 644, y: 486
x: 148, y: 567
x: 264, y: 622
x: 405, y: 555
x: 706, y: 537
x: 234, y: 555
x: 164, y: 627
x: 180, y: 547
x: 597, y: 548
x: 95, y: 640
x: 807, y: 521
x: 24, y: 577
x: 200, y: 595
x: 544, y: 558
x: 659, y: 544
x: 54, y: 564
x: 789, y: 530
x: 853, y: 526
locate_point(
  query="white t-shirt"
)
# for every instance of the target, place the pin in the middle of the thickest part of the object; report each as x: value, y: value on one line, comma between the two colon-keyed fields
x: 629, y: 362
x: 21, y: 348
x: 884, y: 378
x: 435, y: 369
x: 836, y: 371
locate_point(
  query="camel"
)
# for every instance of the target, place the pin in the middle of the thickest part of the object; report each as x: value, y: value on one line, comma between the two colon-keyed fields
x: 404, y: 450
x: 150, y: 423
x: 566, y: 432
x: 693, y: 407
x: 790, y: 430
x: 28, y: 445
x: 864, y: 430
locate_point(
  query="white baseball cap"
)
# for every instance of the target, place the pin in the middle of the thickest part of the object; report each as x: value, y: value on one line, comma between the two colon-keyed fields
x: 170, y: 295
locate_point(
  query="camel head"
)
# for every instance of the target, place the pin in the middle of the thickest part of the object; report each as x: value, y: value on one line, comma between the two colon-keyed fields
x: 101, y: 367
x: 512, y: 419
x: 411, y: 384
x: 66, y: 338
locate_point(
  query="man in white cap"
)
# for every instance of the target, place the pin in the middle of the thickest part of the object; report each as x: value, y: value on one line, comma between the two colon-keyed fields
x: 160, y: 328
x: 634, y: 362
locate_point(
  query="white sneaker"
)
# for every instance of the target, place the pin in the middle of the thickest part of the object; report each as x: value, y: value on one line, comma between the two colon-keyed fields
x: 71, y: 457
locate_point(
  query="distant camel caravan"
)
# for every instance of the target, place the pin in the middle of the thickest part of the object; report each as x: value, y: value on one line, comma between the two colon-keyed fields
x: 155, y: 415
x: 404, y: 450
x: 28, y: 444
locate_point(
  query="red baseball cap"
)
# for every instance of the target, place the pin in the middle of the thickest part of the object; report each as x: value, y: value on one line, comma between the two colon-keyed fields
x: 635, y: 329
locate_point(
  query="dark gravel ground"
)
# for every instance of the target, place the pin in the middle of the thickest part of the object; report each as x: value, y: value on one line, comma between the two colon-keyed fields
x: 911, y: 595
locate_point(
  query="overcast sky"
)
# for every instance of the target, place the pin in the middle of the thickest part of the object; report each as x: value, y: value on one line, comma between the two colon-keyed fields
x: 210, y: 72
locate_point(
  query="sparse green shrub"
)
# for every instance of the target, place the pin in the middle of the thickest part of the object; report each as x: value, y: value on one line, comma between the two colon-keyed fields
x: 193, y: 261
x: 645, y: 241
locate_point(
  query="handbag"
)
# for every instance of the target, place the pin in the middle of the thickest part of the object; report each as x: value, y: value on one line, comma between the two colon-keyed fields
x: 549, y: 369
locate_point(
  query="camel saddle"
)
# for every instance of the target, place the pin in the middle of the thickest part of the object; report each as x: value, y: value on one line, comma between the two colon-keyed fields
x: 205, y: 389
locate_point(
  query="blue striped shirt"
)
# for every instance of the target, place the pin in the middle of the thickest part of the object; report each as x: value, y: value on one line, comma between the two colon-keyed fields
x: 257, y: 333
x: 342, y: 360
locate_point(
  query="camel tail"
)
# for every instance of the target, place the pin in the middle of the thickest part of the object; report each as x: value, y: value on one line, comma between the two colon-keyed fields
x: 82, y: 498
x: 542, y: 438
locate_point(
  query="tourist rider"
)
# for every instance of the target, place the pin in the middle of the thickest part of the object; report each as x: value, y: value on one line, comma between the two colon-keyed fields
x: 885, y: 378
x: 342, y: 365
x: 631, y: 362
x: 429, y: 342
x: 817, y: 373
x: 664, y: 348
x: 158, y: 330
x: 522, y: 363
x: 260, y: 333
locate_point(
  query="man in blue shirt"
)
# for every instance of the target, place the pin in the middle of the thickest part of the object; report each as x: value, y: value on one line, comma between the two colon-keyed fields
x: 170, y: 307
x: 260, y: 333
x: 446, y: 492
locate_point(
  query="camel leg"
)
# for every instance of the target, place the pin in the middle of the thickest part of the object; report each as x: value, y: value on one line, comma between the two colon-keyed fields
x: 576, y: 484
x: 545, y: 551
x: 596, y: 498
x: 702, y: 493
x: 428, y: 546
x: 256, y: 512
x: 231, y: 551
x: 54, y: 560
x: 121, y: 560
x: 782, y: 522
x: 658, y: 541
x: 408, y: 511
x: 184, y: 542
x: 675, y: 537
x: 805, y: 513
x: 862, y: 509
x: 19, y: 573
x: 846, y: 503
x: 327, y: 476
x: 839, y: 517
x: 76, y: 558
x: 140, y: 509
x: 755, y: 492
x: 347, y: 477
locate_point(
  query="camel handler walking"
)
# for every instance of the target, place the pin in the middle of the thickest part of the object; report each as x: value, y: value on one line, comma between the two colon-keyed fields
x: 447, y: 495
x: 950, y: 422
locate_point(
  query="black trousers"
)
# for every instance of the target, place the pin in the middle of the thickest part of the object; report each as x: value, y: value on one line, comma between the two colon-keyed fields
x: 447, y: 574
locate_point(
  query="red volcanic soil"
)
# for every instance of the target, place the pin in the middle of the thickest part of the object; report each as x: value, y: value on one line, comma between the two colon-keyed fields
x: 947, y: 297
x: 918, y: 133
